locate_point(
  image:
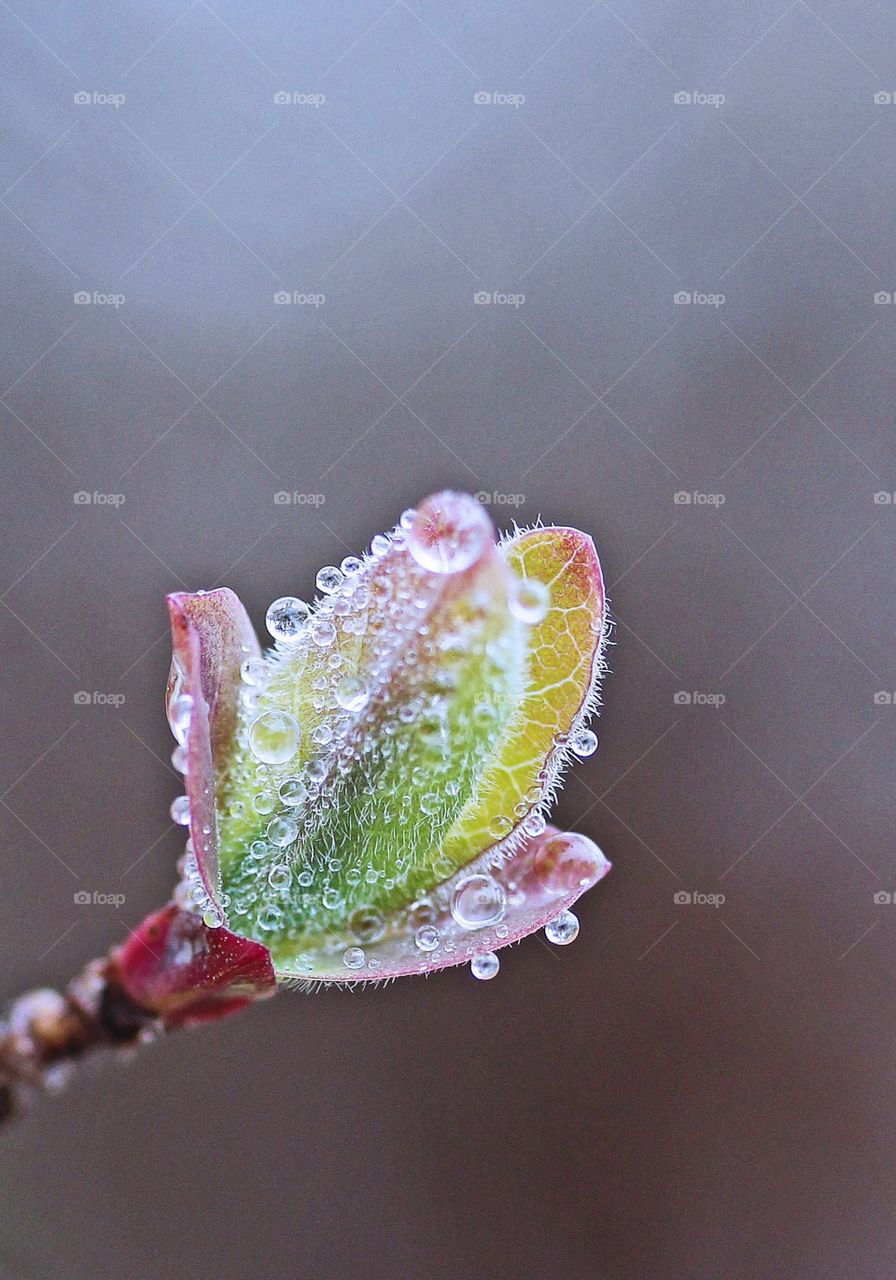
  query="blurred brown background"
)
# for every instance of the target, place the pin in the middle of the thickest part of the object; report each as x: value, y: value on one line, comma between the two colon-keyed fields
x: 697, y: 1088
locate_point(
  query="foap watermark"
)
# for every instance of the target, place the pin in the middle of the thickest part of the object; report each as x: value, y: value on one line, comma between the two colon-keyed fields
x: 93, y: 298
x: 690, y: 298
x: 692, y: 898
x: 293, y: 298
x: 94, y: 98
x: 282, y: 498
x: 884, y: 499
x: 93, y: 898
x: 494, y: 298
x: 695, y: 498
x: 84, y: 698
x: 496, y: 499
x: 884, y: 698
x: 85, y: 499
x: 295, y: 98
x: 696, y: 98
x: 697, y: 698
x: 490, y: 98
x: 884, y: 98
x: 884, y: 298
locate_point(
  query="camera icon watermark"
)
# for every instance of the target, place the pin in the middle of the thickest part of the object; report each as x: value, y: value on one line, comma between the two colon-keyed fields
x: 695, y: 498
x: 293, y: 298
x: 696, y: 698
x: 494, y: 298
x: 884, y: 499
x: 84, y: 698
x: 489, y: 98
x: 692, y: 898
x: 88, y: 898
x: 884, y: 698
x: 696, y: 98
x: 85, y: 499
x: 496, y: 499
x: 85, y: 298
x: 884, y: 98
x: 294, y: 98
x: 95, y: 99
x: 282, y: 498
x: 884, y: 898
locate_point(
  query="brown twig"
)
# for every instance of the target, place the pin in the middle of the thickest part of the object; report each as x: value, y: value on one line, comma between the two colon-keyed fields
x: 44, y: 1032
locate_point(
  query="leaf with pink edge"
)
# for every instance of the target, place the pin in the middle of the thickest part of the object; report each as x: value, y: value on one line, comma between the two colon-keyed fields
x: 212, y: 638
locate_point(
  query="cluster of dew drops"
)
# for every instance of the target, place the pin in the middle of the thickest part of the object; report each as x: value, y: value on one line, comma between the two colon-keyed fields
x: 444, y: 536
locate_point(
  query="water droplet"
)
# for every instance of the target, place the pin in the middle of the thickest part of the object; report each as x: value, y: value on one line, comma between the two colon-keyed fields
x: 180, y: 811
x: 274, y: 737
x: 351, y: 693
x: 477, y: 902
x: 567, y: 862
x: 293, y: 792
x: 485, y: 966
x: 448, y: 533
x: 282, y: 831
x: 280, y: 877
x: 563, y: 929
x: 252, y: 671
x: 264, y: 802
x: 583, y: 742
x: 529, y: 600
x: 178, y: 709
x: 500, y: 826
x: 329, y: 579
x: 180, y: 758
x: 535, y: 823
x: 426, y: 938
x: 353, y: 958
x: 323, y: 633
x: 406, y: 519
x: 380, y: 544
x: 367, y: 926
x: 351, y: 565
x: 286, y: 618
x: 212, y: 917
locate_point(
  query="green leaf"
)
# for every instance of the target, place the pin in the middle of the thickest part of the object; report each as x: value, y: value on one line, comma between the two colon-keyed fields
x: 398, y: 685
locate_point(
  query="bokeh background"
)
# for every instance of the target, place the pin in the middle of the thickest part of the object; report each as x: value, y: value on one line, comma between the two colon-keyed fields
x: 242, y: 247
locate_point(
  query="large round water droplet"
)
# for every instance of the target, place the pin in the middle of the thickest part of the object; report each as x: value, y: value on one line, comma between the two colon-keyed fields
x: 567, y: 862
x: 477, y: 902
x: 351, y: 693
x: 529, y: 601
x: 351, y: 565
x: 353, y: 958
x: 448, y: 533
x: 212, y: 917
x: 180, y: 758
x: 286, y: 618
x: 274, y: 737
x: 583, y: 742
x: 485, y: 966
x: 563, y: 929
x: 329, y: 579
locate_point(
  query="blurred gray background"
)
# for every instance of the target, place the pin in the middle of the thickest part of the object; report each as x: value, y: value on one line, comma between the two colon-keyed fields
x: 698, y: 1088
